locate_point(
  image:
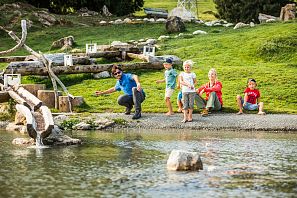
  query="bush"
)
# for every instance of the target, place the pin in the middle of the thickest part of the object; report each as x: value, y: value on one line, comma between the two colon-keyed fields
x: 248, y: 10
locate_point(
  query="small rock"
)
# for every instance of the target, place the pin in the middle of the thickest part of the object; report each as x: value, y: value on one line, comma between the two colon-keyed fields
x: 199, y: 32
x: 104, y: 74
x: 127, y: 20
x: 118, y: 21
x: 103, y: 22
x: 163, y: 37
x: 161, y: 20
x: 82, y: 126
x: 240, y: 25
x: 151, y: 41
x: 58, y: 120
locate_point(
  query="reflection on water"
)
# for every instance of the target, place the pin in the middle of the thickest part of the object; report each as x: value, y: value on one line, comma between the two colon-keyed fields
x: 121, y: 163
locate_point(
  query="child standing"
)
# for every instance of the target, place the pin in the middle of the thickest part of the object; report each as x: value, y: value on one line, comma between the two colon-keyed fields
x: 170, y: 79
x: 179, y: 96
x: 251, y: 100
x: 188, y: 81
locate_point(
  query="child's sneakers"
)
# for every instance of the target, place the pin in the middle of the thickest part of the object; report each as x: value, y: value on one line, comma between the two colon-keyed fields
x: 204, y: 113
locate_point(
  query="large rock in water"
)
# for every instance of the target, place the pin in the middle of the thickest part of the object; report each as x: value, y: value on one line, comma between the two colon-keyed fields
x: 183, y: 161
x: 175, y: 24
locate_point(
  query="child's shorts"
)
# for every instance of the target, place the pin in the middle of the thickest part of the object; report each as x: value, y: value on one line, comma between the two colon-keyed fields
x: 179, y: 95
x: 250, y: 106
x: 168, y: 92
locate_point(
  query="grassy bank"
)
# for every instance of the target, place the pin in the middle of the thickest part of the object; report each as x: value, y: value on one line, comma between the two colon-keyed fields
x: 266, y: 52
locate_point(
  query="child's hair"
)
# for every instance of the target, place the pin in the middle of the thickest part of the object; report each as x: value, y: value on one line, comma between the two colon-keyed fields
x: 188, y: 62
x: 213, y: 70
x: 251, y: 80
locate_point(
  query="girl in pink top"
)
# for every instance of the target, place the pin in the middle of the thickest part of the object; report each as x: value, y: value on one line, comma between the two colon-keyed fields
x: 213, y: 91
x: 251, y: 100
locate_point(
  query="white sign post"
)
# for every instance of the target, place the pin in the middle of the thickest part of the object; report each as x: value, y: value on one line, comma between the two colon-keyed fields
x: 12, y: 79
x: 68, y: 61
x: 91, y: 48
x: 149, y: 51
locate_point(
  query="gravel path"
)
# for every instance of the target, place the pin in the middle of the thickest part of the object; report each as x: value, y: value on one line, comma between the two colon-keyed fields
x: 219, y: 121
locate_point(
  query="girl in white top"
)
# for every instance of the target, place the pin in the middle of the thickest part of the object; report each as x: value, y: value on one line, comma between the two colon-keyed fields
x: 188, y: 82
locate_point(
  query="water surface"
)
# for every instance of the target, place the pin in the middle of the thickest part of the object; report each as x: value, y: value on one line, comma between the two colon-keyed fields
x: 133, y: 164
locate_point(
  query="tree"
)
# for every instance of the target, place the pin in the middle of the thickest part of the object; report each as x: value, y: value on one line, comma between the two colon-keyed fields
x: 248, y: 10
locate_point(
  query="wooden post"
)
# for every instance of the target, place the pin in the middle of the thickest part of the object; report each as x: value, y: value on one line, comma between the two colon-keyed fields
x: 4, y: 96
x: 33, y: 88
x: 64, y: 105
x: 48, y: 97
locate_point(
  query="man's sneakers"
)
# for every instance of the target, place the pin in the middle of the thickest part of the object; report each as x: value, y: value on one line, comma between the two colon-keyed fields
x: 128, y: 110
x: 137, y: 115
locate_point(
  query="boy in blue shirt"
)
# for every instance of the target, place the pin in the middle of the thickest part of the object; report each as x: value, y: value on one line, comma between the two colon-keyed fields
x: 133, y: 93
x: 170, y: 79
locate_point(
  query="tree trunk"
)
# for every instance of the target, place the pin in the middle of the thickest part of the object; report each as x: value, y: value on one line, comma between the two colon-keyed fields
x: 35, y: 69
x: 9, y: 59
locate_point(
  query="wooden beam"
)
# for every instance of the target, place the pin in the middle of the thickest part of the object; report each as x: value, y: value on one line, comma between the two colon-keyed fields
x: 76, y: 69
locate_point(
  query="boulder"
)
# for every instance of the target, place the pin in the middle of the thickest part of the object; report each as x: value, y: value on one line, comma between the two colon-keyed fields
x: 45, y: 18
x: 288, y: 12
x: 19, y: 119
x: 180, y: 160
x: 175, y: 24
x: 66, y: 42
x: 60, y: 140
x: 264, y: 17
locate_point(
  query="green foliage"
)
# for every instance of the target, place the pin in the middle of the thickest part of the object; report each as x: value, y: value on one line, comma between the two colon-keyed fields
x: 248, y: 10
x: 120, y: 121
x: 11, y: 106
x: 68, y: 124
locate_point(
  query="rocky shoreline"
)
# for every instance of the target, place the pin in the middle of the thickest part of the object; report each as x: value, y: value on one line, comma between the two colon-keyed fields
x: 150, y: 121
x: 218, y: 121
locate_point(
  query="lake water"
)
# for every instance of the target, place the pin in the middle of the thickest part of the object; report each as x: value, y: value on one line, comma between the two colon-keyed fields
x: 133, y: 164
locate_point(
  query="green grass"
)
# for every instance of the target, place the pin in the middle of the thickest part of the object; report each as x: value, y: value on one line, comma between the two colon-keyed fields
x: 266, y: 52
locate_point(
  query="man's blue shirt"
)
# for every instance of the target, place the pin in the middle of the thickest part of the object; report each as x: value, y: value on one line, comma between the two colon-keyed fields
x: 126, y: 83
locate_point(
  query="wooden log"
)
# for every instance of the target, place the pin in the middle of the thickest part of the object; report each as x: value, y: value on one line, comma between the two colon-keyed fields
x: 33, y: 88
x: 33, y: 101
x: 4, y: 96
x: 105, y: 54
x: 48, y: 97
x: 64, y: 105
x: 29, y: 70
x: 18, y: 99
x: 29, y: 119
x: 9, y: 59
x: 138, y: 56
x: 48, y: 121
